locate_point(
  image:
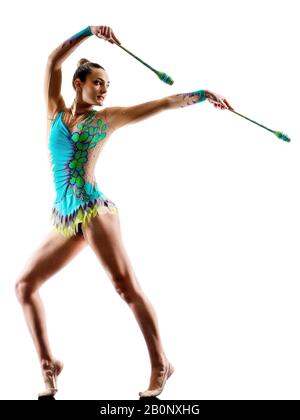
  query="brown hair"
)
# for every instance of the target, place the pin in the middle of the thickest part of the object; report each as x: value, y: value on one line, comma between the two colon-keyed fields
x: 84, y: 67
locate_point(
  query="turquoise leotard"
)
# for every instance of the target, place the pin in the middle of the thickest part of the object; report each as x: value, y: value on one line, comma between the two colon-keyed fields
x: 73, y: 156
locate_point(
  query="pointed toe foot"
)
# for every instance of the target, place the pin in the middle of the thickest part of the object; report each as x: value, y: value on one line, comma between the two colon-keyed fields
x: 47, y: 394
x: 148, y: 393
x: 154, y: 392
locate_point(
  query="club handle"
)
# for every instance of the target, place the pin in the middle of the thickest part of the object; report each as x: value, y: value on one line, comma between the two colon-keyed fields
x: 241, y: 115
x: 133, y: 55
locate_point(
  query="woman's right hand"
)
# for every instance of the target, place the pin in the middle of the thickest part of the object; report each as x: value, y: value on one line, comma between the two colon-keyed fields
x: 217, y: 100
x: 106, y: 33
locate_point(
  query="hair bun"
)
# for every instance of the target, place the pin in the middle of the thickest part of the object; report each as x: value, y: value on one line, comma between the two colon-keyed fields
x: 82, y: 61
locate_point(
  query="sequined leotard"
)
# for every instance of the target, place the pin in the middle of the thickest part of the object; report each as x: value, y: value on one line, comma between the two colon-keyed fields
x: 73, y: 156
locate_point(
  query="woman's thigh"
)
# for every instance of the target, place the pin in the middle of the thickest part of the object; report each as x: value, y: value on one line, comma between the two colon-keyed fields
x: 103, y: 235
x: 51, y: 255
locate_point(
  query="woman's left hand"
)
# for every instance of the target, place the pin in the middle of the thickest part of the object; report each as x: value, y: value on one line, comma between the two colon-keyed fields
x: 217, y: 100
x: 106, y: 33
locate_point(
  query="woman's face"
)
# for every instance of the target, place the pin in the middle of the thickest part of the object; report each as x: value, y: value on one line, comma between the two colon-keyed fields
x: 94, y: 89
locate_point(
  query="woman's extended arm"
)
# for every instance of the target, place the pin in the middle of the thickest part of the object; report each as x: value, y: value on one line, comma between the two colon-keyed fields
x: 181, y: 100
x: 119, y: 116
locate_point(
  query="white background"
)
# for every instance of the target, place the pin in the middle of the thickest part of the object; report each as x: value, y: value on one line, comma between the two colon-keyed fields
x: 209, y: 202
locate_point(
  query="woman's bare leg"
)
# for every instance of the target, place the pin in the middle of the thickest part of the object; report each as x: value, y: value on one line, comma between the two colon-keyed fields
x: 51, y: 256
x: 103, y: 234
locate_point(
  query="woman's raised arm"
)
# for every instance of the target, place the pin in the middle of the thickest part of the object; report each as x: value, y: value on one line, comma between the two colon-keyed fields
x: 53, y: 75
x: 67, y: 47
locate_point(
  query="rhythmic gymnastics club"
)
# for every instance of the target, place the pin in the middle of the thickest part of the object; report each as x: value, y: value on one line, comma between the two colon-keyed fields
x: 278, y: 134
x: 161, y: 75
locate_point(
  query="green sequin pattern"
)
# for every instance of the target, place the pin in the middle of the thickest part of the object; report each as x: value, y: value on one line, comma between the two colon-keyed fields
x: 90, y: 132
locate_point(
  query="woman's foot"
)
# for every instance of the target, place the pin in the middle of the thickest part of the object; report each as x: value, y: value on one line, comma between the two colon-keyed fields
x: 157, y: 380
x: 50, y: 372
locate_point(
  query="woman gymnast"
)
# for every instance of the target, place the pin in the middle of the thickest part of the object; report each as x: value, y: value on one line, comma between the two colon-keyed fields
x: 82, y: 214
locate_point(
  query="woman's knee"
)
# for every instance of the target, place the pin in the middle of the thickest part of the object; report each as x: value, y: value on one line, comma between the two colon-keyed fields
x: 25, y: 286
x: 127, y: 287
